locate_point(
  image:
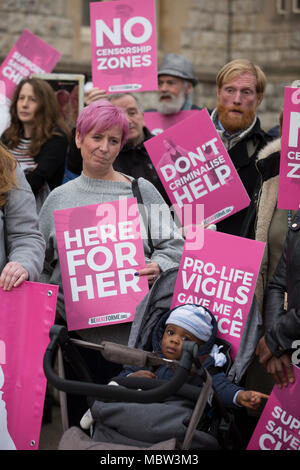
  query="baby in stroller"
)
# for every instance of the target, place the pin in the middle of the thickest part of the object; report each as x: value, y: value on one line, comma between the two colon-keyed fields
x: 195, y: 323
x: 183, y: 323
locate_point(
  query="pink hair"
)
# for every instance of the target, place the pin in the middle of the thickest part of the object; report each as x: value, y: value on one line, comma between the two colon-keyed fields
x: 102, y: 115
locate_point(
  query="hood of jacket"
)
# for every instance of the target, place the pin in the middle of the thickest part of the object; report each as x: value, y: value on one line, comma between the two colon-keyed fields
x: 268, y: 159
x: 271, y: 147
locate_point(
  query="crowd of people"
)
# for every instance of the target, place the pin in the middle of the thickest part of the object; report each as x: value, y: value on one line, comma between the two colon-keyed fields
x: 46, y: 167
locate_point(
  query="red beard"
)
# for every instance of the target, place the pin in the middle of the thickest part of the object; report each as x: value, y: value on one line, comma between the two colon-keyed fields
x: 235, y: 122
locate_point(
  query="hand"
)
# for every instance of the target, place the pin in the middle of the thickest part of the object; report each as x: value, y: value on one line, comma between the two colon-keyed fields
x: 250, y: 399
x: 184, y: 230
x: 263, y: 352
x: 13, y: 274
x: 152, y: 271
x: 281, y: 369
x: 94, y: 94
x: 143, y: 373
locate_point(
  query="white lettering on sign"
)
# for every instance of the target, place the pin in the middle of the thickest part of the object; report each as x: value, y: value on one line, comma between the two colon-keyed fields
x: 294, y: 129
x: 115, y: 36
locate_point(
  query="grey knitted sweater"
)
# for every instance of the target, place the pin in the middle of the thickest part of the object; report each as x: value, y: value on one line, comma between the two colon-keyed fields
x: 168, y: 243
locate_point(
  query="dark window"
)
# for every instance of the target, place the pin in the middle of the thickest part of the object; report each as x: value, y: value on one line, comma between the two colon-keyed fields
x: 296, y: 6
x: 86, y: 12
x: 282, y: 6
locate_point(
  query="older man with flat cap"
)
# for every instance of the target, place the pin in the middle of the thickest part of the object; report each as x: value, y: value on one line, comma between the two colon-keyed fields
x: 176, y: 80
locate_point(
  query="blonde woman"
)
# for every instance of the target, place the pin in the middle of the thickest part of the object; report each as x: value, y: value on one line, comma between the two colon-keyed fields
x: 21, y: 244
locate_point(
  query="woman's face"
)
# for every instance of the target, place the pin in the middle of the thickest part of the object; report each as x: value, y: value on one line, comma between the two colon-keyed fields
x: 27, y: 104
x: 99, y: 151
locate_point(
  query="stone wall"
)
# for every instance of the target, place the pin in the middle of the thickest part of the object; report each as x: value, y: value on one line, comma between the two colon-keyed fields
x: 47, y: 19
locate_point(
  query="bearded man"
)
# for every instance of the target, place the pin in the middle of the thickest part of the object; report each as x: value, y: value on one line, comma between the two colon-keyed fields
x: 240, y: 89
x: 176, y: 80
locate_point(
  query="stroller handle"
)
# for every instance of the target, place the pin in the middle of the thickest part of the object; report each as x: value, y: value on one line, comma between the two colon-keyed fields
x: 59, y: 336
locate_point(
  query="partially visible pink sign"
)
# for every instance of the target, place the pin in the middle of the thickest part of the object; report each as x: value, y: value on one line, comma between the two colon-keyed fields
x: 279, y: 425
x: 26, y: 316
x: 157, y: 122
x: 30, y: 55
x: 123, y: 39
x: 220, y: 275
x: 100, y: 250
x: 196, y: 170
x: 289, y: 175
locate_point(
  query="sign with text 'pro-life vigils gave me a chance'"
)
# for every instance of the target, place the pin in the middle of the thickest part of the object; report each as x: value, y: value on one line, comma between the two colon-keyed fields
x: 220, y: 275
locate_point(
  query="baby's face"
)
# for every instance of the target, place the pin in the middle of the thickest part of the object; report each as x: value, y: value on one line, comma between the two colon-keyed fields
x: 173, y: 339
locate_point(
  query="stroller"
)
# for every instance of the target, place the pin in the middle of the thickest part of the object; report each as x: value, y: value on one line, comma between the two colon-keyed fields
x: 180, y: 416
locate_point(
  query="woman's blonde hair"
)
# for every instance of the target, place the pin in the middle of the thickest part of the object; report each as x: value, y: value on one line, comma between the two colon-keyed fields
x: 47, y: 120
x: 238, y: 66
x: 7, y: 173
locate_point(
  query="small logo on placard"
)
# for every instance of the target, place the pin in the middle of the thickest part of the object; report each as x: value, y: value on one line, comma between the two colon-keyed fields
x: 112, y: 317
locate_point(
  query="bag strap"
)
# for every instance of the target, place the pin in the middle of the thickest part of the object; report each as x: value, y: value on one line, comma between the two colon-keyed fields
x: 137, y: 193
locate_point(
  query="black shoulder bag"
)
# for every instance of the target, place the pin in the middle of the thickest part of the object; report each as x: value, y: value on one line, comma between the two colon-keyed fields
x: 137, y: 193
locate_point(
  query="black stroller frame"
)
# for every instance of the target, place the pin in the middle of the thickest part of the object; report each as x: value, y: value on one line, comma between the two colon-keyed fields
x: 136, y: 390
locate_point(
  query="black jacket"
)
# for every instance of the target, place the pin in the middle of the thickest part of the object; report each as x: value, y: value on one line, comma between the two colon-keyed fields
x: 135, y: 162
x: 50, y: 163
x: 283, y: 327
x: 242, y: 223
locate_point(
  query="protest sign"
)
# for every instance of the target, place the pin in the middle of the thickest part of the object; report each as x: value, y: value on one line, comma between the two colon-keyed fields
x: 157, y: 122
x: 220, y: 276
x: 69, y: 92
x: 289, y: 174
x: 196, y: 170
x: 100, y: 250
x: 279, y: 425
x: 123, y: 39
x: 26, y: 316
x: 30, y: 55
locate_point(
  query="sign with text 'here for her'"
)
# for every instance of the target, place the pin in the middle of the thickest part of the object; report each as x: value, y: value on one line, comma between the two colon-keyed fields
x: 100, y: 250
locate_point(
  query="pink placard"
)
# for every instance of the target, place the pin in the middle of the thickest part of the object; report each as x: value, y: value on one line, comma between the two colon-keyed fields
x: 100, y: 250
x: 279, y: 425
x: 157, y: 122
x: 197, y: 171
x: 26, y: 315
x: 123, y: 39
x: 289, y: 175
x: 30, y: 55
x: 220, y: 275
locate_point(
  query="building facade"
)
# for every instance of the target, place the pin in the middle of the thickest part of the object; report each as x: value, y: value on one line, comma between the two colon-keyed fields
x: 208, y: 33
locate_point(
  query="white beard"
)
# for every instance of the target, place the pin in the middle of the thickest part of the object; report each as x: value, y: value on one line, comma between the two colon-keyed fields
x: 173, y: 106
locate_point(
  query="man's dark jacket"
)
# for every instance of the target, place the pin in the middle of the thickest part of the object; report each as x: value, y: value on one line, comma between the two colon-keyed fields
x: 283, y: 327
x: 242, y: 223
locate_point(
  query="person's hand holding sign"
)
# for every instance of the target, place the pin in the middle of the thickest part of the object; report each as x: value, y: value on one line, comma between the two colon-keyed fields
x: 152, y: 271
x: 13, y: 275
x: 94, y: 94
